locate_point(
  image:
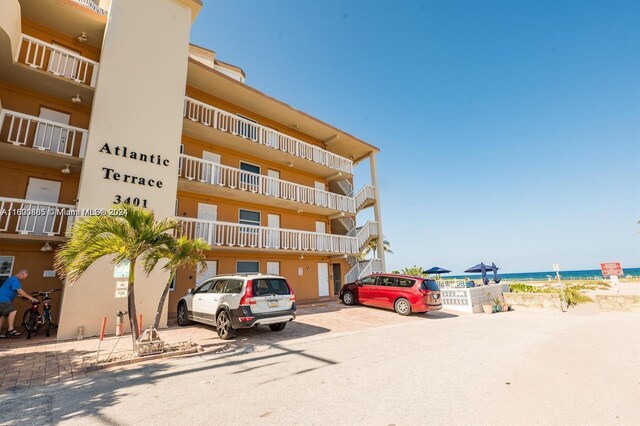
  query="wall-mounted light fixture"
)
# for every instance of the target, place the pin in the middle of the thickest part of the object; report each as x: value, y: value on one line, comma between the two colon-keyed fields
x: 46, y: 247
x: 66, y: 170
x: 290, y: 164
x: 300, y: 210
x: 76, y: 99
x: 82, y: 37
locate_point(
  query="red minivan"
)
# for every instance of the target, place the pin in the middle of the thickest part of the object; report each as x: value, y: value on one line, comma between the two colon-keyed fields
x: 402, y: 293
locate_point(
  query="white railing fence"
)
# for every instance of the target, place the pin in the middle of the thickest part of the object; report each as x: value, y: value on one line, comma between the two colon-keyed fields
x: 93, y: 6
x: 58, y: 61
x: 471, y: 299
x: 346, y: 186
x: 224, y: 121
x: 226, y: 234
x: 197, y: 169
x: 366, y: 193
x: 44, y: 135
x: 26, y: 217
x: 363, y: 268
x: 366, y: 232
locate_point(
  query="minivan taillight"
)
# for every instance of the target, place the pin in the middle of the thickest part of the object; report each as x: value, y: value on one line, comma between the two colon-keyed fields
x: 247, y: 298
x: 425, y: 291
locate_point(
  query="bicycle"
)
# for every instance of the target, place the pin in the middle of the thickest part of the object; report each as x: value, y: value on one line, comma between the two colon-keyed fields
x: 33, y: 320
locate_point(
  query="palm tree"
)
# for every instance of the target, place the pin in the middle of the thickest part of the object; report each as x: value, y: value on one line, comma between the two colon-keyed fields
x: 126, y: 235
x: 372, y: 246
x: 182, y: 252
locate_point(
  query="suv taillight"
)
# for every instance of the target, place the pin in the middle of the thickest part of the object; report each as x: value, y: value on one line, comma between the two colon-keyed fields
x: 247, y: 298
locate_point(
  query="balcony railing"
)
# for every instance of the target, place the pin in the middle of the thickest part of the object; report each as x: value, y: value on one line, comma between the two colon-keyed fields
x: 362, y: 269
x: 26, y: 217
x: 197, y: 169
x: 93, y: 6
x: 365, y: 233
x: 41, y: 134
x: 224, y: 121
x: 57, y: 61
x: 226, y: 234
x: 367, y: 193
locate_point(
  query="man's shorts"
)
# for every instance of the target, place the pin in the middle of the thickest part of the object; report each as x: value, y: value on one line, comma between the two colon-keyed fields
x: 6, y: 308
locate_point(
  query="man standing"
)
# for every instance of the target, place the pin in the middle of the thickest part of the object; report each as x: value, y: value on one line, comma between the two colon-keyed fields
x: 8, y: 291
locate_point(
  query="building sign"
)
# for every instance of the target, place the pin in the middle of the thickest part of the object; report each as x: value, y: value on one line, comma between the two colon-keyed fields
x: 121, y: 289
x: 121, y: 270
x: 611, y: 268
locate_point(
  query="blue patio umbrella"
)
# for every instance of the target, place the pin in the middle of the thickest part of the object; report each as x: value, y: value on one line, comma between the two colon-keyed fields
x: 482, y: 268
x: 496, y: 277
x: 436, y: 270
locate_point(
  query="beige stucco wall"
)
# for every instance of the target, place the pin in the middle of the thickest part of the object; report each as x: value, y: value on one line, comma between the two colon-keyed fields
x: 10, y: 23
x: 138, y: 104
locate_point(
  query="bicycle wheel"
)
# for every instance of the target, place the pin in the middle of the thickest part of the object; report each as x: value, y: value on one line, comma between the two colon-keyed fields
x: 47, y: 324
x: 31, y: 323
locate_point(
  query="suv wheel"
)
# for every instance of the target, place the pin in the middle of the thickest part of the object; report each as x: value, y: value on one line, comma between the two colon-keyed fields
x: 278, y: 327
x: 402, y: 306
x: 348, y: 298
x: 223, y: 326
x: 182, y: 315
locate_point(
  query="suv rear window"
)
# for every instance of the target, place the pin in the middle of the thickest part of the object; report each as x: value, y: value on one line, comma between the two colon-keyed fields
x: 265, y: 286
x: 429, y: 285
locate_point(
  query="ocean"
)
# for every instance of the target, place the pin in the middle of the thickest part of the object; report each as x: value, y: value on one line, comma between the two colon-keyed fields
x: 528, y: 276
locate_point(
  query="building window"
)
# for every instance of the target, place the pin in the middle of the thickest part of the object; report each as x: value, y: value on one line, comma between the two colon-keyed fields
x: 6, y: 266
x: 249, y: 181
x: 249, y: 217
x: 246, y: 127
x: 247, y: 267
x: 172, y: 286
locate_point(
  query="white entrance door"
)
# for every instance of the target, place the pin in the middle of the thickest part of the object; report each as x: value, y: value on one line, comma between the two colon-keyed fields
x: 320, y: 196
x: 202, y: 275
x: 273, y: 233
x: 273, y: 186
x: 273, y: 268
x: 40, y: 190
x: 206, y: 231
x: 50, y: 137
x: 210, y: 172
x: 321, y: 228
x: 323, y: 279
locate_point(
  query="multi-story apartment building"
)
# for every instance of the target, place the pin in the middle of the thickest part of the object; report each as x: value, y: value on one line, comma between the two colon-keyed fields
x: 106, y: 101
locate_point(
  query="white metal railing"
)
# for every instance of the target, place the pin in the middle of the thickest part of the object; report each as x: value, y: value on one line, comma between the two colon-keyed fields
x: 44, y: 135
x: 197, y: 169
x: 363, y: 268
x: 58, y: 61
x: 93, y: 6
x: 27, y: 217
x: 224, y: 121
x: 366, y: 232
x: 346, y: 186
x: 226, y: 234
x: 366, y: 193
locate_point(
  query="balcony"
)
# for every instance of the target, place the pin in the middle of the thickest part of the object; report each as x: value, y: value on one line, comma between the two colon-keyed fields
x: 206, y: 122
x: 34, y: 140
x: 58, y: 61
x: 200, y: 175
x: 93, y: 6
x: 34, y: 220
x: 248, y: 237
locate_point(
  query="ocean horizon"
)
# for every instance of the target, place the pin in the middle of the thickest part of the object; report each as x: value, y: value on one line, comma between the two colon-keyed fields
x: 544, y: 275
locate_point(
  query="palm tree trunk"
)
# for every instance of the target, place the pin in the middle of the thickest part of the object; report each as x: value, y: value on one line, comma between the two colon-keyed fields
x: 131, y: 302
x: 156, y: 322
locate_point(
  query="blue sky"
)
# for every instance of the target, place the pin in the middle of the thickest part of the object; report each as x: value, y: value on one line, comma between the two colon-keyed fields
x: 509, y: 130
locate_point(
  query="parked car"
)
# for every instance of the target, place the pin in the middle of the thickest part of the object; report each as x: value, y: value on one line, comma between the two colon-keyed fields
x: 402, y: 293
x: 231, y: 302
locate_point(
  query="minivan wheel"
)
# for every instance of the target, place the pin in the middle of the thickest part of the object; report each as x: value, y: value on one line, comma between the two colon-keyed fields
x: 223, y: 326
x: 182, y: 315
x: 403, y: 307
x: 278, y: 327
x: 348, y: 298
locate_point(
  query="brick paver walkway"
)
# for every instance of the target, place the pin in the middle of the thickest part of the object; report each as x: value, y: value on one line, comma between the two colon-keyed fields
x: 39, y: 361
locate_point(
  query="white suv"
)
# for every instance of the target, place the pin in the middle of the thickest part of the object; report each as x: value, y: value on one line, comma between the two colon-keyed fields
x: 230, y: 302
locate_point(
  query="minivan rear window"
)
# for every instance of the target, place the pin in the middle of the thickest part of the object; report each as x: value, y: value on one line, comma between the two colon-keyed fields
x: 266, y: 286
x: 430, y: 285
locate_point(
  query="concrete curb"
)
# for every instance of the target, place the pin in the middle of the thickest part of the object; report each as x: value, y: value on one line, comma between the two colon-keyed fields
x: 96, y: 367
